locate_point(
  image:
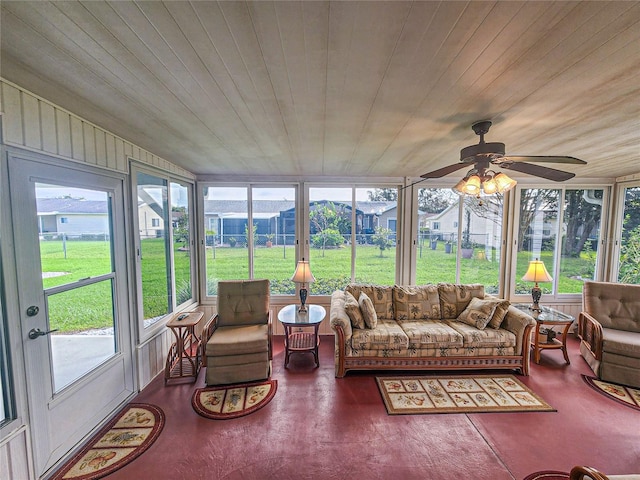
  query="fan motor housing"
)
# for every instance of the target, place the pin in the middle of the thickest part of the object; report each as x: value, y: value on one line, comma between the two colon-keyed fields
x: 492, y: 149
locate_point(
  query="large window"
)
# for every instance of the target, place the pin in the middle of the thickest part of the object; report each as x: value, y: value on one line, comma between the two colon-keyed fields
x: 629, y: 253
x: 250, y: 232
x: 459, y: 238
x: 352, y: 236
x: 561, y: 227
x: 164, y: 244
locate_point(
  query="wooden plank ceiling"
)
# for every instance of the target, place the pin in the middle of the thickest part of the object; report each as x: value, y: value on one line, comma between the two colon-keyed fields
x: 348, y: 89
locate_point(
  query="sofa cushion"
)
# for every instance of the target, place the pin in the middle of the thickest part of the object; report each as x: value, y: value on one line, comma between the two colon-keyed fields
x: 498, y: 315
x: 454, y: 298
x: 352, y: 307
x: 479, y: 312
x: 241, y: 340
x: 430, y: 333
x: 368, y: 310
x: 381, y: 296
x: 419, y: 301
x: 386, y: 335
x: 487, y: 338
x: 621, y: 343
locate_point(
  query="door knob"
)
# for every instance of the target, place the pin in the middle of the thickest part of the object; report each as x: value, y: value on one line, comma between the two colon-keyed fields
x: 36, y: 332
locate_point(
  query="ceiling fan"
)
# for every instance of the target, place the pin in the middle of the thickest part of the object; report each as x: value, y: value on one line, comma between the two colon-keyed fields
x: 482, y: 155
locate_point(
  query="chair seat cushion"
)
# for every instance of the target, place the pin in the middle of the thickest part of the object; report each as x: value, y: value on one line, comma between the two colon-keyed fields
x: 621, y: 342
x: 238, y: 340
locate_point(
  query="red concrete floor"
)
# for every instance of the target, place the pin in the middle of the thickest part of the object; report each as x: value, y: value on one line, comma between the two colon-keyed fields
x: 320, y: 427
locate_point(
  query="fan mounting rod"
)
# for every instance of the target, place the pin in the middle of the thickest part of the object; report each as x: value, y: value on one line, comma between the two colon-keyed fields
x: 481, y: 128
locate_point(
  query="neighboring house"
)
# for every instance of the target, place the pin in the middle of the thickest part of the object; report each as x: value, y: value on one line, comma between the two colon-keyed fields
x: 72, y: 216
x: 150, y: 222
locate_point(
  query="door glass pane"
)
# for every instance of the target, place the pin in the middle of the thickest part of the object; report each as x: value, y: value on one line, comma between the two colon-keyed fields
x: 437, y: 235
x: 181, y: 222
x: 629, y: 261
x: 481, y: 241
x: 74, y: 231
x: 536, y: 234
x: 226, y: 229
x: 74, y: 227
x: 580, y: 234
x: 84, y: 320
x: 153, y: 237
x: 330, y: 232
x: 274, y: 220
x: 376, y: 215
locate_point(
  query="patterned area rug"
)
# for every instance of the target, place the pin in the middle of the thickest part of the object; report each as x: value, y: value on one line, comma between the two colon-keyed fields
x: 547, y: 475
x: 125, y: 438
x: 460, y: 394
x: 625, y: 395
x: 221, y: 403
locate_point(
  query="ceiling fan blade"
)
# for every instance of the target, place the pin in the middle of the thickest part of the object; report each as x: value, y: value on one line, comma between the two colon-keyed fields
x: 538, y: 171
x: 441, y: 172
x: 543, y: 158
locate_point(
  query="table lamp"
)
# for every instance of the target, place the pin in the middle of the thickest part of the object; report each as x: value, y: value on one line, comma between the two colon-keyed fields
x: 536, y: 273
x: 303, y: 276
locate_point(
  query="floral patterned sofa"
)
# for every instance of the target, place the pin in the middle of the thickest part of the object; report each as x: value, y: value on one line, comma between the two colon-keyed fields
x: 427, y: 327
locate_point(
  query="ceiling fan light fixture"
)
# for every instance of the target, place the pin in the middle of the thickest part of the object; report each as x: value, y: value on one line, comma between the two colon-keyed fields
x: 504, y: 182
x: 458, y: 187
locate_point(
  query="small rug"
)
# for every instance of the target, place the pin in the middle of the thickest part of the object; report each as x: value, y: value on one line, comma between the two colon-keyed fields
x: 547, y: 475
x: 625, y: 395
x: 221, y: 403
x: 125, y: 438
x: 460, y: 394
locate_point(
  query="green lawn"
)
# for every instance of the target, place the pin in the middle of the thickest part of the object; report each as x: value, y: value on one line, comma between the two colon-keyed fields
x: 90, y: 307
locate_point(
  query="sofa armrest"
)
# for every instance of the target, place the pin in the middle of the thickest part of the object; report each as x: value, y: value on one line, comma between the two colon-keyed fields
x: 590, y: 332
x: 520, y: 324
x: 208, y: 329
x: 338, y: 315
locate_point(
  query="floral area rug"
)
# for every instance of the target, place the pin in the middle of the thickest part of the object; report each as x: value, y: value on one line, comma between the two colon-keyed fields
x: 548, y: 475
x: 625, y: 395
x: 125, y: 438
x: 460, y: 394
x: 221, y: 403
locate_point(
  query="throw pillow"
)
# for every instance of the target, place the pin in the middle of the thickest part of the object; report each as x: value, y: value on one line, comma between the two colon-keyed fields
x: 368, y: 311
x: 498, y: 316
x: 352, y: 308
x: 479, y: 312
x: 381, y: 296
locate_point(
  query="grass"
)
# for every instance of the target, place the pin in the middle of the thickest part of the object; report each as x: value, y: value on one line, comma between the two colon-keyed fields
x: 90, y: 306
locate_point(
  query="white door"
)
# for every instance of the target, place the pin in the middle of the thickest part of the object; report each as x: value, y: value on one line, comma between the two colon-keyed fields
x: 70, y: 252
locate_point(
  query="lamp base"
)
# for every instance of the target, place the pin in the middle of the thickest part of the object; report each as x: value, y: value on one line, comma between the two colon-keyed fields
x: 303, y: 300
x: 536, y: 293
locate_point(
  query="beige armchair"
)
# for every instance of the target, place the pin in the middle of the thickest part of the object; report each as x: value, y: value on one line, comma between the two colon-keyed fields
x: 609, y: 330
x: 589, y: 473
x: 237, y: 341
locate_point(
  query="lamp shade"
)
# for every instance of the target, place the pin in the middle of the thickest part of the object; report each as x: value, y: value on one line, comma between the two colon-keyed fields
x: 537, y: 272
x: 504, y: 182
x: 473, y: 185
x: 490, y: 186
x: 303, y: 272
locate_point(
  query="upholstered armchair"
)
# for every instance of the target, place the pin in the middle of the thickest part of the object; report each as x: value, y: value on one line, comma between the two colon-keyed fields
x: 589, y: 473
x: 237, y: 341
x: 609, y: 330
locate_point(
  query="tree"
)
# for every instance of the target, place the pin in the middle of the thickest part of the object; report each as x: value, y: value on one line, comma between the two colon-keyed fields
x: 383, y: 195
x: 181, y: 229
x: 329, y: 223
x: 435, y: 200
x: 532, y: 202
x: 582, y: 216
x: 381, y: 238
x: 629, y: 271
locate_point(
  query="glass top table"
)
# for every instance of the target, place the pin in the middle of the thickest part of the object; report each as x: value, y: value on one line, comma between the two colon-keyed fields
x: 297, y: 338
x: 545, y: 339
